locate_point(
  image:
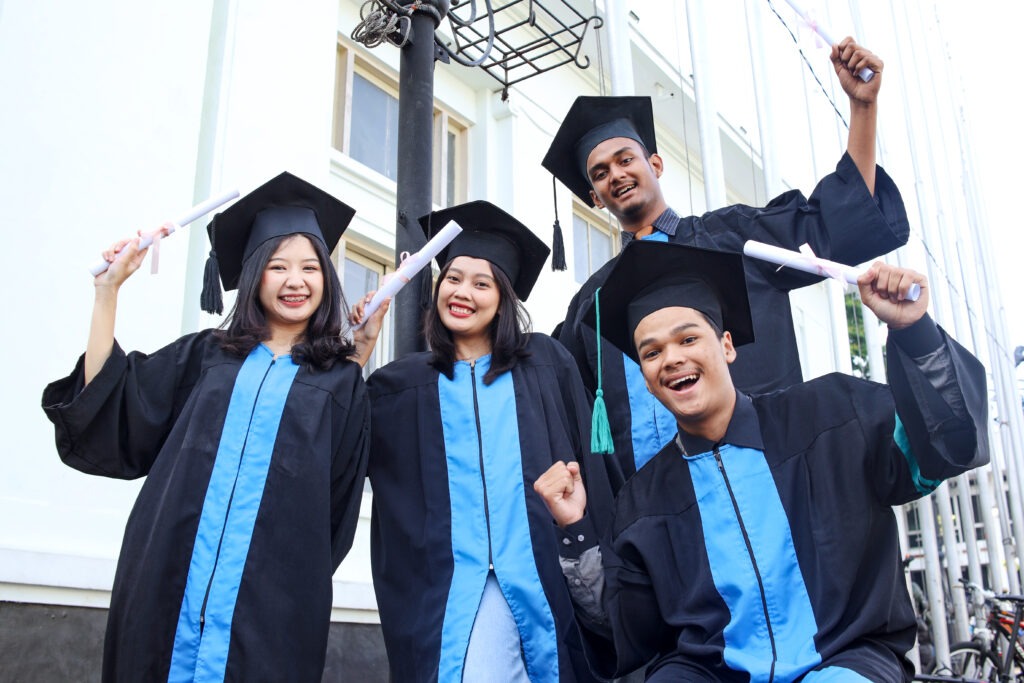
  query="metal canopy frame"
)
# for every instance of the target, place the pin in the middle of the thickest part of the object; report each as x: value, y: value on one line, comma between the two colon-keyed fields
x: 518, y: 39
x: 512, y: 41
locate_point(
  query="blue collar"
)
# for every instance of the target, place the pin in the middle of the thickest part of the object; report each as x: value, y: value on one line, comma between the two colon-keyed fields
x: 667, y: 223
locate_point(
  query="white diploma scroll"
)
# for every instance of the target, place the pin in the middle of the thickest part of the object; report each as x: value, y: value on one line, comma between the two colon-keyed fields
x: 865, y: 74
x: 197, y: 211
x: 410, y: 266
x: 809, y: 263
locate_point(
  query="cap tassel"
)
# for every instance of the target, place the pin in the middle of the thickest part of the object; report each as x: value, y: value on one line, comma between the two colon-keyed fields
x: 210, y: 300
x: 557, y: 243
x: 600, y: 429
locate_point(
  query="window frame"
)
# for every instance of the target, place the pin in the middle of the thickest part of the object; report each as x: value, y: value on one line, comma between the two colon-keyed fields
x: 349, y: 63
x: 384, y: 349
x: 602, y: 222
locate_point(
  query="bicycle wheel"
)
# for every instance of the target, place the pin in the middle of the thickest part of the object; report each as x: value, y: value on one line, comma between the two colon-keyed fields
x: 970, y: 661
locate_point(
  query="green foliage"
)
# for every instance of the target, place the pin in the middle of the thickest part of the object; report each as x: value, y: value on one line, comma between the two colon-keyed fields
x: 855, y: 331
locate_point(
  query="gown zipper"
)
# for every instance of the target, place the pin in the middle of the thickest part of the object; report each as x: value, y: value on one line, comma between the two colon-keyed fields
x: 227, y: 513
x: 753, y: 560
x: 480, y: 447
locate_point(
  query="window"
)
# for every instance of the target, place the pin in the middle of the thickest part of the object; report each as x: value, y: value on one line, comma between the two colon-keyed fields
x: 449, y: 160
x: 373, y: 138
x: 593, y: 246
x: 366, y: 127
x: 360, y: 275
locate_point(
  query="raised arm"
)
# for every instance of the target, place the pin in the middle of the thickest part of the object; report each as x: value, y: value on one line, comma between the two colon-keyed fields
x: 562, y: 490
x: 884, y: 288
x: 365, y: 338
x: 104, y: 310
x: 848, y: 59
x: 938, y: 390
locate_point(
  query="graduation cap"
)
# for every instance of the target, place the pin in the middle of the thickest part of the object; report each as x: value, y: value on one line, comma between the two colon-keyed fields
x: 492, y: 234
x: 589, y: 122
x: 649, y: 276
x: 284, y: 205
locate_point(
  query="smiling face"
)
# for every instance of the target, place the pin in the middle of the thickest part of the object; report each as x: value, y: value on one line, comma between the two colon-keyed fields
x: 626, y: 182
x: 292, y: 285
x: 467, y: 299
x: 686, y: 367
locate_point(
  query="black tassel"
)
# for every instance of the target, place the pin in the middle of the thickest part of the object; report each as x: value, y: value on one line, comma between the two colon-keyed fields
x: 211, y: 300
x: 557, y: 248
x: 557, y: 243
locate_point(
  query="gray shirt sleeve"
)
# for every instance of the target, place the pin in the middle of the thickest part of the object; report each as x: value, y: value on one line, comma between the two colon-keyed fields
x: 585, y: 578
x: 580, y: 557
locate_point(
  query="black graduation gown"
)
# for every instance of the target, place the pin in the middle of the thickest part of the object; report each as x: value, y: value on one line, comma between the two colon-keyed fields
x: 282, y: 517
x: 841, y: 221
x: 444, y: 510
x: 777, y: 549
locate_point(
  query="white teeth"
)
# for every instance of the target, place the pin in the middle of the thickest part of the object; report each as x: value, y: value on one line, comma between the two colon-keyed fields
x: 460, y: 309
x: 294, y: 299
x: 624, y: 190
x: 678, y: 383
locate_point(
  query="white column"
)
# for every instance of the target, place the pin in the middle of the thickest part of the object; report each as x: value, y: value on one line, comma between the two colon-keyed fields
x: 707, y: 112
x: 960, y: 615
x: 763, y: 99
x: 210, y: 154
x: 620, y: 54
x: 933, y: 578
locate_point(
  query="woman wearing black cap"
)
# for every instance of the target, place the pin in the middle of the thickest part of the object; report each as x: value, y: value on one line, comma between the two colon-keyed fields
x: 465, y: 561
x: 253, y: 441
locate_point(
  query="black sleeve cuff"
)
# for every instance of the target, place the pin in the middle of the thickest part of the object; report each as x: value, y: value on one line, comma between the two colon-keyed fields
x: 576, y: 538
x: 919, y: 339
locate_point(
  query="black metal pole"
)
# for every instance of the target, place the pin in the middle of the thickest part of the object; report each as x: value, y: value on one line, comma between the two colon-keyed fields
x: 415, y: 166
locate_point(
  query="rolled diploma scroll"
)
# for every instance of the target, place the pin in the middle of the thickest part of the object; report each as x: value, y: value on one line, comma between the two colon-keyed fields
x: 865, y: 74
x: 811, y: 264
x: 195, y: 212
x: 409, y: 267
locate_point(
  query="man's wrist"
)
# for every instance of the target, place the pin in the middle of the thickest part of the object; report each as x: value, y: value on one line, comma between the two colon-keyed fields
x: 577, y: 537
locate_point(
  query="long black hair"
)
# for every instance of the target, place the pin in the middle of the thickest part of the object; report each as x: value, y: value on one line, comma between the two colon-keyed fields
x: 246, y: 326
x: 509, y: 331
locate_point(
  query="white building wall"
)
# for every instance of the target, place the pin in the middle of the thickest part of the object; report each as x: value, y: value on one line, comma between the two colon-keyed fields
x: 101, y: 134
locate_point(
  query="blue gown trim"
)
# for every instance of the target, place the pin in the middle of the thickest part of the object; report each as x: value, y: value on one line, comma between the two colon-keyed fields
x: 651, y: 424
x: 748, y: 640
x: 505, y: 503
x: 229, y: 513
x: 923, y: 485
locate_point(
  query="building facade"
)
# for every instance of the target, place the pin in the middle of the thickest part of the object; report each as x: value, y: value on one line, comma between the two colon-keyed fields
x: 122, y: 115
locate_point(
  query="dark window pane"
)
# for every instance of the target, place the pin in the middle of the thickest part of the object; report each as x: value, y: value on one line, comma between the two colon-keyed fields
x: 359, y: 280
x: 374, y: 132
x: 450, y: 180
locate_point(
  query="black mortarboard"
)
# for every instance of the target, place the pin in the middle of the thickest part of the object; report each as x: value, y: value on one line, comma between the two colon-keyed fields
x: 492, y: 234
x: 589, y: 122
x: 284, y: 205
x: 649, y: 276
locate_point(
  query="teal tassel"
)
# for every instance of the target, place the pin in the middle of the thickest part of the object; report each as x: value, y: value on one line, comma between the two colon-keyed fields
x: 600, y: 429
